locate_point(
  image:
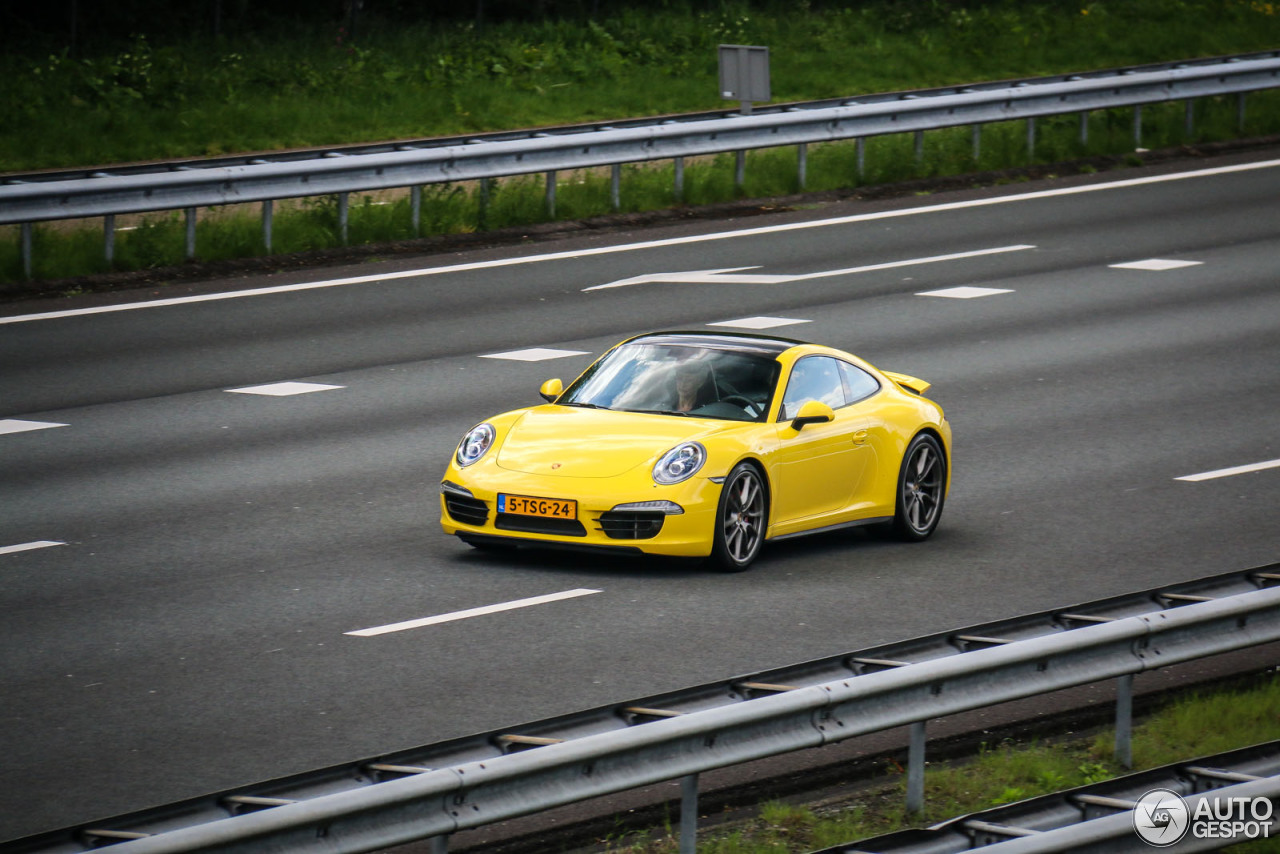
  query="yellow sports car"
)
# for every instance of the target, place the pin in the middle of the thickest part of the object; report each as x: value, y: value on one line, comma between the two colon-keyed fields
x: 704, y: 444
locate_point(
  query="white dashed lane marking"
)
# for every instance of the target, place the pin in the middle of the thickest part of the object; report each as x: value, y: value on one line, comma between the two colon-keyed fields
x: 284, y: 389
x: 1158, y: 265
x: 14, y: 425
x: 26, y: 547
x: 964, y: 292
x: 535, y: 354
x: 759, y: 322
x: 472, y: 612
x: 1213, y: 475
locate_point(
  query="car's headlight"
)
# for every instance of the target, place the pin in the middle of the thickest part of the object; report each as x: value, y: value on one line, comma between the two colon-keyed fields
x: 474, y: 444
x: 679, y: 463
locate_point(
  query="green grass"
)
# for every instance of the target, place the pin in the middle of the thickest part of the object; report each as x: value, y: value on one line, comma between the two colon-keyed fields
x: 308, y: 87
x: 1190, y: 727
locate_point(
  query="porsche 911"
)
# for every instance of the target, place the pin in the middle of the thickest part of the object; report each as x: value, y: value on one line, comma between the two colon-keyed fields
x: 704, y: 444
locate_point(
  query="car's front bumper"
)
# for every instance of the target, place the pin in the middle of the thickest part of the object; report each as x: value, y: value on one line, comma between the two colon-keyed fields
x: 469, y: 509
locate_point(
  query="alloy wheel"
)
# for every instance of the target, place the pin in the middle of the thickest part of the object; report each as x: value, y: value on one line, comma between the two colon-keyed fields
x: 742, y: 520
x: 923, y: 485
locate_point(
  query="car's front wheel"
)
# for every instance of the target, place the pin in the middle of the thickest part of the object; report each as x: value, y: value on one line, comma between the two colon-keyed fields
x: 741, y: 519
x: 922, y: 487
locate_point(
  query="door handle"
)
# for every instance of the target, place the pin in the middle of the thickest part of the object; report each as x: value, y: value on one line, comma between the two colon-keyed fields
x: 860, y: 437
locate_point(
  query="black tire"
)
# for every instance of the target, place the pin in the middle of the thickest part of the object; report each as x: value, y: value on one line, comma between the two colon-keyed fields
x: 922, y: 489
x: 741, y: 519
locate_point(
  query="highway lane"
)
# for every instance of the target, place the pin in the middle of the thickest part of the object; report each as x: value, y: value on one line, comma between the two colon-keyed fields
x: 494, y: 301
x: 190, y: 634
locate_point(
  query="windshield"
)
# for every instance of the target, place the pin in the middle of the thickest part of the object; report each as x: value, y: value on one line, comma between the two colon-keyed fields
x: 678, y: 379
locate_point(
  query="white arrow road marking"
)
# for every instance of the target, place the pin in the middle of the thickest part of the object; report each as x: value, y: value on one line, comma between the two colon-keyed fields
x: 472, y: 612
x: 1231, y: 472
x: 26, y: 547
x: 734, y: 276
x: 15, y: 425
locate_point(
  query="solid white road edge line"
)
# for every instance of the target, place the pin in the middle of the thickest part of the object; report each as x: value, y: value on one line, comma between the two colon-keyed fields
x: 651, y: 244
x: 1211, y: 475
x: 26, y: 547
x: 472, y: 612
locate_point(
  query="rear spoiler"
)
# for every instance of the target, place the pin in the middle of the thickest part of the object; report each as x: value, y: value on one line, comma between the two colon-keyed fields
x: 915, y: 385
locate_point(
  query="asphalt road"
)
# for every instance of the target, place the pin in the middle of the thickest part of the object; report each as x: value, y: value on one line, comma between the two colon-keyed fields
x: 182, y: 561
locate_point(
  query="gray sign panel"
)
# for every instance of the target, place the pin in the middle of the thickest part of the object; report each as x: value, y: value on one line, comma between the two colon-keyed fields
x: 744, y: 73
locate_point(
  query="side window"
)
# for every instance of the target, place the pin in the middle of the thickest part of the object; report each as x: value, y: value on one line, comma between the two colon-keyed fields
x: 858, y: 384
x: 813, y: 378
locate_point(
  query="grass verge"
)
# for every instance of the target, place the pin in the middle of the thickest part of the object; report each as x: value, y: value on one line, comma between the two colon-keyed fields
x: 310, y: 86
x: 1199, y: 724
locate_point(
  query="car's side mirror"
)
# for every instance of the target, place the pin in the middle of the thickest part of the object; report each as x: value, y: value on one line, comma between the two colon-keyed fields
x: 812, y: 412
x: 550, y: 390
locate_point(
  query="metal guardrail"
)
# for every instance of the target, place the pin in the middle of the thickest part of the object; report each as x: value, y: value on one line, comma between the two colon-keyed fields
x: 188, y: 185
x: 470, y: 782
x: 1090, y: 817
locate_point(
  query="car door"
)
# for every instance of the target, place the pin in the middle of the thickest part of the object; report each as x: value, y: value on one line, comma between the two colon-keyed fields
x: 867, y: 431
x: 817, y: 468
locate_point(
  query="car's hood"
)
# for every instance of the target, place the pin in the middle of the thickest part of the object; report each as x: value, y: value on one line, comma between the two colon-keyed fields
x: 567, y: 441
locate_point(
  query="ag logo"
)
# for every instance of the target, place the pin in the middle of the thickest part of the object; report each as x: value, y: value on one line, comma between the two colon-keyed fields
x: 1161, y: 817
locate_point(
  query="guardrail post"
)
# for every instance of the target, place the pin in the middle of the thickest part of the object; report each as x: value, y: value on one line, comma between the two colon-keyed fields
x: 919, y: 148
x: 551, y: 195
x: 482, y: 215
x: 1124, y: 720
x: 739, y: 169
x: 190, y: 251
x: 344, y: 212
x: 802, y: 164
x: 439, y: 845
x: 915, y: 768
x: 268, y: 212
x: 689, y: 814
x: 615, y: 186
x: 976, y: 133
x: 1240, y: 112
x: 1189, y: 126
x: 1031, y: 140
x: 1084, y: 128
x: 415, y: 209
x: 25, y: 240
x: 1137, y: 126
x: 860, y: 146
x: 109, y: 239
x: 679, y: 179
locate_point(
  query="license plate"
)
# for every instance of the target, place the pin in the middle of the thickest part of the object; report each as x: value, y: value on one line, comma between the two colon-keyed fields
x: 526, y: 505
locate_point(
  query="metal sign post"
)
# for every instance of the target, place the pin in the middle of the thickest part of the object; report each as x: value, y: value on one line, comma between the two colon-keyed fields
x: 744, y: 75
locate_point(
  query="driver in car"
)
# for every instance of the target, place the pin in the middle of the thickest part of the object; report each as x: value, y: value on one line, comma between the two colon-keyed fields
x: 692, y: 379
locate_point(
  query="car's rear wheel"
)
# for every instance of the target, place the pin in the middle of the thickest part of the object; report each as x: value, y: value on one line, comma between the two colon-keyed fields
x: 922, y: 487
x: 741, y: 519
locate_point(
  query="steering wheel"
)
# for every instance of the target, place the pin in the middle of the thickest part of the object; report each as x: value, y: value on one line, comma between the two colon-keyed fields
x: 749, y: 406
